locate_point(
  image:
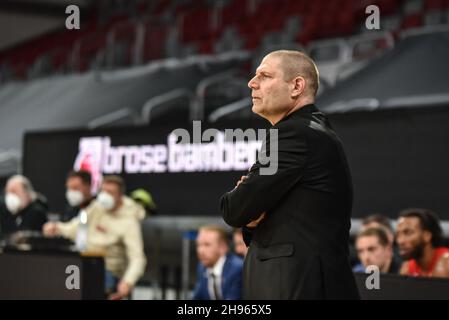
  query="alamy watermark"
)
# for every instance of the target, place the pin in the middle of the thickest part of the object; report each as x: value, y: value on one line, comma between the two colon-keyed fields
x: 184, y: 151
x: 372, y: 22
x: 232, y: 137
x: 73, y: 20
x: 373, y: 280
x: 72, y: 282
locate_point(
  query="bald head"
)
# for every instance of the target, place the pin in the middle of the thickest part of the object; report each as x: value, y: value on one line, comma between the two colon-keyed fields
x: 297, y: 64
x: 285, y: 81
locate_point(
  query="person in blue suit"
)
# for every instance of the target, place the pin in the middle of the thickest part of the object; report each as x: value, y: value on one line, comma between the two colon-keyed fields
x: 219, y: 271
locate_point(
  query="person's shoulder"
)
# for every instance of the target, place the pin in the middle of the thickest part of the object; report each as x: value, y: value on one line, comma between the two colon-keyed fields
x: 301, y: 123
x: 291, y: 130
x: 201, y: 267
x: 444, y: 251
x: 358, y: 268
x: 37, y: 206
x: 132, y: 208
x: 292, y: 123
x: 235, y: 260
x: 444, y: 256
x: 93, y: 206
x: 234, y: 266
x: 442, y: 266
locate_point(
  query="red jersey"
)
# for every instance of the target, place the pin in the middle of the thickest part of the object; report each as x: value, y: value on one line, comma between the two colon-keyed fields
x: 415, y: 270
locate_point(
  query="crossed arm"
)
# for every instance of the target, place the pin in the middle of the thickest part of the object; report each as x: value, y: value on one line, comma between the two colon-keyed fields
x: 256, y: 194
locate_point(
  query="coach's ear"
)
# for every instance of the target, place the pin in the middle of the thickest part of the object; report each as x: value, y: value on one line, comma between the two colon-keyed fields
x: 299, y: 87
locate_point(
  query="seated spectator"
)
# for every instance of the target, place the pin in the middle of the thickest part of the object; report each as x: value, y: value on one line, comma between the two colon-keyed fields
x: 21, y: 209
x: 114, y: 228
x: 379, y: 221
x: 239, y: 245
x: 419, y: 238
x: 219, y: 272
x: 373, y: 248
x: 78, y: 194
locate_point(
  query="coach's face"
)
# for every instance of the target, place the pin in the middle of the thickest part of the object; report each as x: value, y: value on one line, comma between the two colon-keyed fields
x: 271, y: 93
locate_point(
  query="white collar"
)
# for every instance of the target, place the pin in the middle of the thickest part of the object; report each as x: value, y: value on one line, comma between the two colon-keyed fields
x: 217, y: 269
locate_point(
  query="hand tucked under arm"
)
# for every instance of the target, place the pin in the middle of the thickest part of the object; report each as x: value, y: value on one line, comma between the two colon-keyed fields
x: 254, y: 223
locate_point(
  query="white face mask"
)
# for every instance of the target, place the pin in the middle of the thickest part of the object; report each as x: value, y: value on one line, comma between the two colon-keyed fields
x: 74, y: 197
x: 106, y: 200
x: 13, y: 202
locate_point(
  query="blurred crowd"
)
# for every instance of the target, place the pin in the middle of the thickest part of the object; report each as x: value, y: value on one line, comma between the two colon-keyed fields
x: 109, y: 224
x: 414, y: 248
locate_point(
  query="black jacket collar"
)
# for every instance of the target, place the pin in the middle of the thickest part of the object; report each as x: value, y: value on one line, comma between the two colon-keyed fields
x: 307, y: 109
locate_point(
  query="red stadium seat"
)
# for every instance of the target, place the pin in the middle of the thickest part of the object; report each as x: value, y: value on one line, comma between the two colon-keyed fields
x: 191, y: 29
x: 318, y: 19
x: 155, y: 35
x: 90, y: 50
x: 412, y: 21
x: 434, y: 5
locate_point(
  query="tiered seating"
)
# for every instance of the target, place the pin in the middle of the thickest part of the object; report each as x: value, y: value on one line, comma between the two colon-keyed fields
x: 436, y: 12
x: 90, y: 52
x: 206, y: 28
x: 122, y: 44
x: 155, y: 35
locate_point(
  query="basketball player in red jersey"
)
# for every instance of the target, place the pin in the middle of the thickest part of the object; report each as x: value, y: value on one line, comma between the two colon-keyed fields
x: 419, y: 238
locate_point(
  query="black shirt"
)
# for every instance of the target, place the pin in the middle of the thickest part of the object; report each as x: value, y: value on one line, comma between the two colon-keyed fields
x: 32, y: 218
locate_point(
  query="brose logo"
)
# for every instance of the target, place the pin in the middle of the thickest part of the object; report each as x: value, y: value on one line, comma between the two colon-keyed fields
x: 97, y: 155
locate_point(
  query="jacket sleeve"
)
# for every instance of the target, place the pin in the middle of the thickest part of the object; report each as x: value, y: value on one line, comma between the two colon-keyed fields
x: 41, y: 218
x: 235, y: 289
x: 260, y: 193
x: 197, y: 294
x: 247, y: 234
x: 69, y: 229
x: 133, y: 241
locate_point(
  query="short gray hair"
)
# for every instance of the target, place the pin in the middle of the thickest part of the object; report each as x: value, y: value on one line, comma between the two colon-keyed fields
x: 296, y: 63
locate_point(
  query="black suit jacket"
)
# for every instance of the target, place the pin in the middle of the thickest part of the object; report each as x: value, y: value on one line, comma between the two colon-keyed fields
x: 300, y: 250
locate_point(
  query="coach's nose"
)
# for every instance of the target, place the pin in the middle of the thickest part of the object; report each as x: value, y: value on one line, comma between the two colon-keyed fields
x: 252, y: 84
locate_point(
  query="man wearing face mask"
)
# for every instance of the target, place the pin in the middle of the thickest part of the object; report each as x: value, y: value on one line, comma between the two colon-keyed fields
x: 20, y: 210
x: 78, y: 194
x: 114, y: 228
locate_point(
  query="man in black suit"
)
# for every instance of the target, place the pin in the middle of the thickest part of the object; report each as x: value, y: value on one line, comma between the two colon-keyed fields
x: 296, y: 220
